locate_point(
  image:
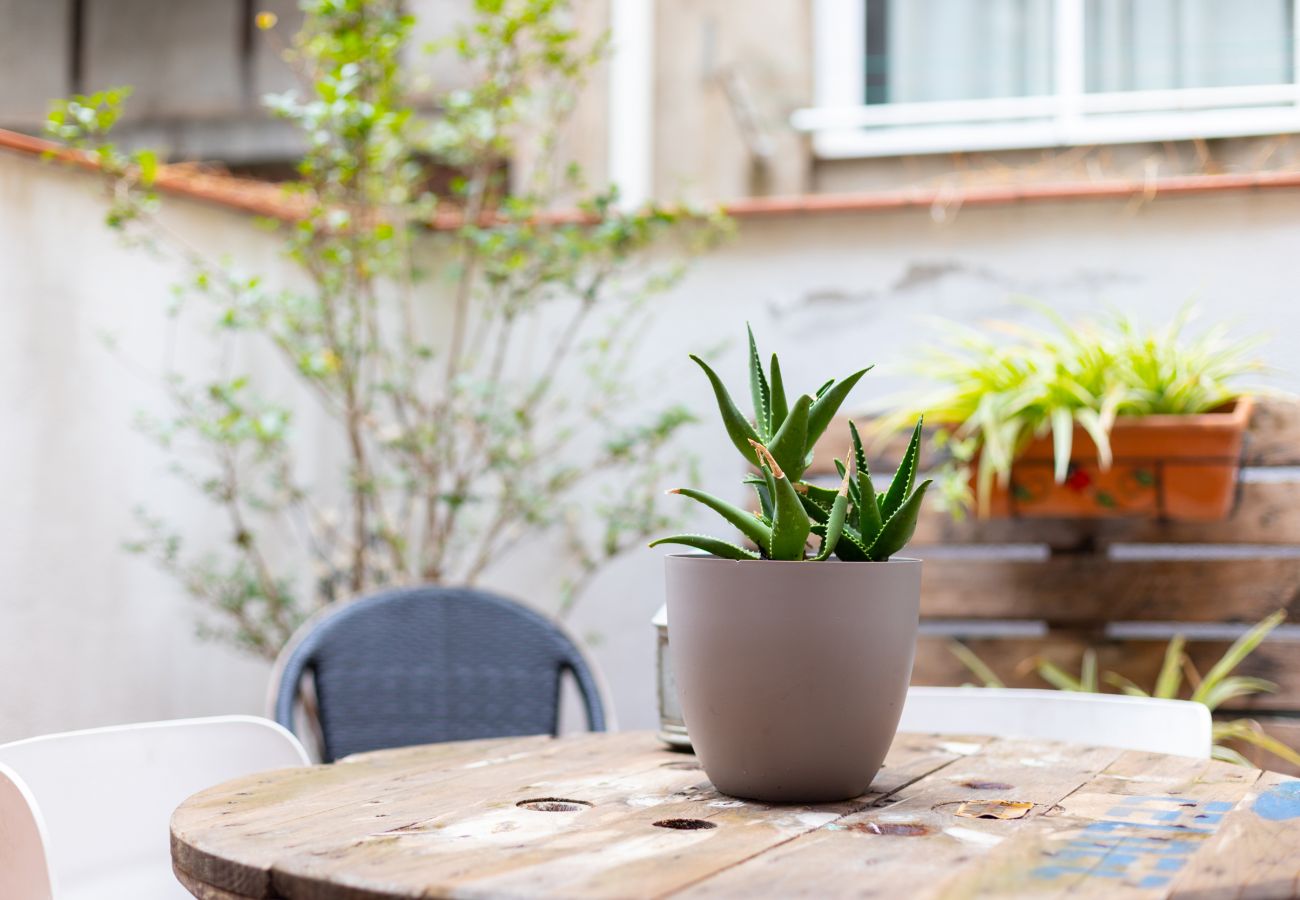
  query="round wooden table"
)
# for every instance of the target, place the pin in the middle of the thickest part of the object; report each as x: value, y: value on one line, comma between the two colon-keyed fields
x: 616, y: 815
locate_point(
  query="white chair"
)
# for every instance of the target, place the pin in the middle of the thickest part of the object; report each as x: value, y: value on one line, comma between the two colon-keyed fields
x: 85, y: 814
x: 1178, y: 727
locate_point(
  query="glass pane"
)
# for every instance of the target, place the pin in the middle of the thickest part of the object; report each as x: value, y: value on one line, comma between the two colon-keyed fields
x: 920, y: 50
x: 1135, y: 45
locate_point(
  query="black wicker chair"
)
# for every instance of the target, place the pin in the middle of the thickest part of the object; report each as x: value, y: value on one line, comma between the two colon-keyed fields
x: 428, y: 664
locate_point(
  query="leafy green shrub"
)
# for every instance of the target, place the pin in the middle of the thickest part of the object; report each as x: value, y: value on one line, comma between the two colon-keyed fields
x: 442, y: 361
x: 999, y: 388
x: 855, y: 523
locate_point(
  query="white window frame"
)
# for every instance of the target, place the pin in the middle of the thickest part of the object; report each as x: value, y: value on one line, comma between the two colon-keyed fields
x: 843, y: 126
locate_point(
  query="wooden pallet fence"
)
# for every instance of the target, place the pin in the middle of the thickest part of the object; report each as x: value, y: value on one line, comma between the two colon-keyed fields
x: 1079, y: 576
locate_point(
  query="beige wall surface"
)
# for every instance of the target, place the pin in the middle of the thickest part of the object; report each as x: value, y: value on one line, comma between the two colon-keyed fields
x: 90, y: 635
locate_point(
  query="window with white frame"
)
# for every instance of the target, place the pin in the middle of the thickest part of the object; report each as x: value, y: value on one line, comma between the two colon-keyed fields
x: 917, y: 76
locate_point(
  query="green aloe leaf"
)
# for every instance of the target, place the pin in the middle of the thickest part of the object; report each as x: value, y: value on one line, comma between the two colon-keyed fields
x: 816, y: 512
x: 835, y: 524
x: 869, y: 521
x: 851, y: 548
x: 780, y: 408
x: 764, y: 496
x: 828, y: 403
x: 822, y: 496
x: 738, y: 427
x: 841, y: 467
x: 788, y: 444
x: 790, y: 524
x: 745, y: 521
x: 708, y: 544
x: 759, y: 390
x: 901, y: 486
x: 898, y: 528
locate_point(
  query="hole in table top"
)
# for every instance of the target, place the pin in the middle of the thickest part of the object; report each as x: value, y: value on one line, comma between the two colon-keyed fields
x: 685, y: 824
x: 553, y: 804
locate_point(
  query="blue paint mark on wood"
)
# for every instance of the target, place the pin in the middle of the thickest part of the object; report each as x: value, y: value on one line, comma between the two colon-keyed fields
x: 1142, y: 853
x: 1280, y: 802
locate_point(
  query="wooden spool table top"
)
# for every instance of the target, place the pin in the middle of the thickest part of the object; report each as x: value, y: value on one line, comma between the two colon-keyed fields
x: 616, y: 815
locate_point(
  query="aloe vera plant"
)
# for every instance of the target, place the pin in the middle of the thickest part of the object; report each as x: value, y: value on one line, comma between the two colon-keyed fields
x: 796, y: 520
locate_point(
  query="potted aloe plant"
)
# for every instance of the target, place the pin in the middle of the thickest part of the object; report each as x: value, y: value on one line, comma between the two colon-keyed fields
x: 792, y: 655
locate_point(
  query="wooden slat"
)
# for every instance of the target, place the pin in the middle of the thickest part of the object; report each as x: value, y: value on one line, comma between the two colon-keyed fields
x: 1274, y: 435
x: 1266, y: 513
x: 1139, y: 661
x: 1089, y: 588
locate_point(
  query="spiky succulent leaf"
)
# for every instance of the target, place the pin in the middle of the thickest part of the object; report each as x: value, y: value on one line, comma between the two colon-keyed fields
x: 901, y: 487
x: 828, y: 403
x: 843, y: 470
x: 708, y: 544
x: 738, y: 427
x: 788, y: 444
x: 850, y: 547
x: 899, y: 527
x: 835, y: 524
x: 759, y: 390
x: 822, y: 496
x: 759, y: 483
x: 824, y: 388
x: 869, y: 520
x: 790, y: 524
x: 816, y: 512
x: 780, y: 408
x: 746, y: 522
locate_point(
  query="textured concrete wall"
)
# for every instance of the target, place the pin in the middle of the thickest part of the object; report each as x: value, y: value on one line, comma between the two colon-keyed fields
x: 90, y: 635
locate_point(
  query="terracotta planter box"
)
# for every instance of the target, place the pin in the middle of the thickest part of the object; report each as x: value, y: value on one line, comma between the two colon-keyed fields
x: 1170, y: 467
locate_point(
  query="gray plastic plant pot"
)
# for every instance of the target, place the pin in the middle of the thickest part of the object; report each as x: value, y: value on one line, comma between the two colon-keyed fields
x: 792, y: 675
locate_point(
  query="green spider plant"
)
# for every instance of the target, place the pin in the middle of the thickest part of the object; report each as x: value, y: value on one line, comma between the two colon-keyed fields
x: 854, y: 522
x: 1215, y: 688
x: 999, y: 388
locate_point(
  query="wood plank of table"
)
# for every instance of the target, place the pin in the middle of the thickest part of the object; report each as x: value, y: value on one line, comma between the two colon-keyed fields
x: 1087, y: 588
x: 279, y: 813
x: 1138, y: 660
x: 497, y: 849
x: 894, y: 849
x: 1130, y: 831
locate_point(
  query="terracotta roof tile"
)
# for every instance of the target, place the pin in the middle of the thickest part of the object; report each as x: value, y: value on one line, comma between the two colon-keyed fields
x: 266, y: 199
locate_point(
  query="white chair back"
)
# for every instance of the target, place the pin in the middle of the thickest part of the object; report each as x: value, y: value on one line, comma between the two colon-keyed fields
x: 24, y: 869
x: 1178, y: 727
x: 104, y: 797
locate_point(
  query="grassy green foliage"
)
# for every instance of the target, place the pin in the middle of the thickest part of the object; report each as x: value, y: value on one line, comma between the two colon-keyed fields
x: 999, y: 388
x: 853, y: 523
x: 1177, y: 679
x: 438, y: 366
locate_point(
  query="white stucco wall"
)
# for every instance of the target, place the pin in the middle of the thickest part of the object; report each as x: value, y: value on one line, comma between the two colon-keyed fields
x: 90, y: 635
